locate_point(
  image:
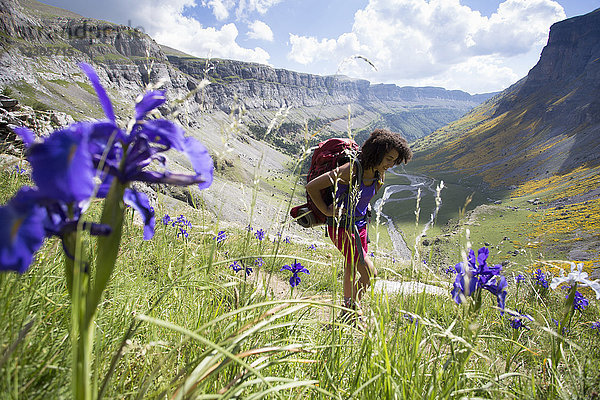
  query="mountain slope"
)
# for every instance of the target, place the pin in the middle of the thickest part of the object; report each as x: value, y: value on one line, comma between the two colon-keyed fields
x: 538, y: 145
x: 546, y: 124
x: 41, y: 47
x: 33, y: 32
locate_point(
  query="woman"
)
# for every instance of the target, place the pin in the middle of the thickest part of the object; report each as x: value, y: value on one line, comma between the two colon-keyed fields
x: 348, y: 214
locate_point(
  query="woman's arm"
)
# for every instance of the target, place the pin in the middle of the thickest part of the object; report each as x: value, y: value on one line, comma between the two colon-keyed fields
x: 339, y: 175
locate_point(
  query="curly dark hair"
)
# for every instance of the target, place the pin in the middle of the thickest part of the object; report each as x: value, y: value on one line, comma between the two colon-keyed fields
x: 379, y: 144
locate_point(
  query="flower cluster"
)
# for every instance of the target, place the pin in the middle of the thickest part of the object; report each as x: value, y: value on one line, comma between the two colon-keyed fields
x: 411, y: 319
x: 238, y: 266
x: 182, y: 224
x: 539, y: 278
x: 93, y: 159
x: 449, y: 271
x: 517, y: 320
x: 220, y: 237
x: 295, y: 269
x: 579, y: 302
x: 477, y: 275
x: 260, y: 234
x: 519, y: 278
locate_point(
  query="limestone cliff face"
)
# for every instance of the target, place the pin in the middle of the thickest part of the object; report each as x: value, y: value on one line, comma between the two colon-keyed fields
x: 546, y: 124
x: 42, y: 46
x: 261, y: 86
x: 573, y: 50
x: 567, y: 75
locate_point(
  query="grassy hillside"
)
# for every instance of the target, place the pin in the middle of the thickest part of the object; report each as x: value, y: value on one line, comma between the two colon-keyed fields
x: 520, y: 158
x: 179, y: 319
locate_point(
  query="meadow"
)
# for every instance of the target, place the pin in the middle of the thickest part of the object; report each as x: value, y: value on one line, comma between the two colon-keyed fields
x: 178, y: 321
x: 202, y: 312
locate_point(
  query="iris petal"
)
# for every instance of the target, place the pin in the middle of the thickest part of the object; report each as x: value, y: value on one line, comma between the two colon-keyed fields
x: 102, y: 96
x: 25, y: 134
x: 161, y: 131
x: 21, y: 231
x: 149, y: 102
x: 201, y: 161
x: 62, y: 165
x: 139, y: 202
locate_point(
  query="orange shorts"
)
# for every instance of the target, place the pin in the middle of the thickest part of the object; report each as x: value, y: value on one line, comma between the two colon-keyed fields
x: 345, y: 241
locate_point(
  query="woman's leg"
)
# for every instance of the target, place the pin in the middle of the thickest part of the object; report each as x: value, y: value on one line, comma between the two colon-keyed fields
x: 367, y: 271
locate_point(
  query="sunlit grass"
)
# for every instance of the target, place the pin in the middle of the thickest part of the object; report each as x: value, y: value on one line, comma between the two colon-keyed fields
x: 177, y: 321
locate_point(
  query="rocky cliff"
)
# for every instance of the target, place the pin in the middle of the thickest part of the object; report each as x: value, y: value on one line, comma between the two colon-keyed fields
x: 255, y: 119
x: 42, y: 45
x: 547, y: 124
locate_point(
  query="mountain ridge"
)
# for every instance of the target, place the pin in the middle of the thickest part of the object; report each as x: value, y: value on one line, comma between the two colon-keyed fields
x: 122, y: 51
x: 547, y: 123
x: 537, y: 143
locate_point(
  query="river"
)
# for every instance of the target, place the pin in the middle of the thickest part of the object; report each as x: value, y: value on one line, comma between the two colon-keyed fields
x: 393, y: 193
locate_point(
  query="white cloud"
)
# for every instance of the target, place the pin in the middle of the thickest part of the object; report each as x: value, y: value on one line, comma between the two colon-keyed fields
x: 438, y: 41
x: 220, y: 8
x: 245, y: 7
x: 165, y: 22
x: 241, y: 8
x: 261, y: 31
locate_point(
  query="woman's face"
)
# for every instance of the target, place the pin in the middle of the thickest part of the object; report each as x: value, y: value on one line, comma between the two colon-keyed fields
x: 389, y: 160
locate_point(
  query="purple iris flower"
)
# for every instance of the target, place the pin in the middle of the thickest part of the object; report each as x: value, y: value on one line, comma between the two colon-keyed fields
x: 476, y: 275
x: 516, y: 322
x: 22, y: 233
x: 259, y: 262
x: 595, y: 326
x: 83, y: 160
x: 579, y: 302
x: 236, y: 266
x: 129, y: 154
x: 260, y: 234
x: 295, y: 269
x: 220, y: 237
x: 519, y: 278
x: 539, y: 278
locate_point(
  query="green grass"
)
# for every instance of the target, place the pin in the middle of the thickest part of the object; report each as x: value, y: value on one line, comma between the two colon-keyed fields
x: 177, y: 315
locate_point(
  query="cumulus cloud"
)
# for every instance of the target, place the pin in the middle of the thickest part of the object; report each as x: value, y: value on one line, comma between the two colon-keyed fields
x: 261, y: 31
x: 166, y: 23
x: 241, y: 8
x: 220, y: 8
x: 437, y: 41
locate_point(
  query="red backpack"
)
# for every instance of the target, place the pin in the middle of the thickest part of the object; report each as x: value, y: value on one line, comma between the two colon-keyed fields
x: 327, y: 156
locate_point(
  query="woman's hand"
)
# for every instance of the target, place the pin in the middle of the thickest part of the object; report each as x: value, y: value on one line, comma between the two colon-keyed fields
x: 328, y: 179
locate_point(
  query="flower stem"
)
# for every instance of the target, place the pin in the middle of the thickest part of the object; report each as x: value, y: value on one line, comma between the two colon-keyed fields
x: 78, y: 283
x: 108, y: 246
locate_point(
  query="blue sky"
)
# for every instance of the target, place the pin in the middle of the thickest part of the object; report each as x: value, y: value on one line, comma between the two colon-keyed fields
x: 472, y: 45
